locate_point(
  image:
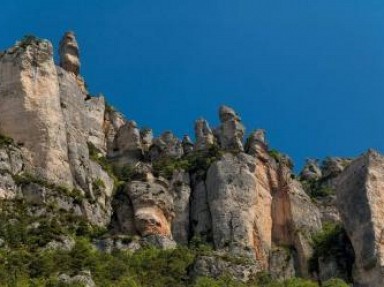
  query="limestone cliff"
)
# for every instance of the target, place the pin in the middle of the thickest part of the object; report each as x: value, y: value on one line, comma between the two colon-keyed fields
x: 65, y: 151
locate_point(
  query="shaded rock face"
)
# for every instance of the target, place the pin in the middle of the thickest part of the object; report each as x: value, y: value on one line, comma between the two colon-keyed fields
x: 282, y: 265
x: 11, y: 162
x: 360, y: 201
x: 333, y: 166
x: 187, y: 145
x: 200, y: 215
x: 181, y: 191
x: 311, y: 170
x: 69, y: 53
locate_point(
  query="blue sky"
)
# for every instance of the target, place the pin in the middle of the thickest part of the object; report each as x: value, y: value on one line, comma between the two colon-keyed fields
x: 309, y: 72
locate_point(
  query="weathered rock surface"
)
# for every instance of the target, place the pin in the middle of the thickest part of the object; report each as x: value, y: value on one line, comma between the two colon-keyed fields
x: 153, y: 207
x: 311, y: 170
x: 256, y: 145
x: 69, y: 53
x: 203, y: 134
x: 128, y: 147
x: 360, y: 201
x: 11, y: 162
x: 233, y: 202
x: 167, y: 145
x: 84, y: 278
x: 231, y: 130
x: 181, y: 191
x: 216, y: 265
x: 29, y: 88
x: 70, y: 150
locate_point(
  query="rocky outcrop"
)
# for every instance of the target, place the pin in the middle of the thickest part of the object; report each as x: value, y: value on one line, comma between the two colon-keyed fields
x: 128, y: 147
x: 153, y: 207
x: 242, y: 269
x: 51, y: 131
x: 72, y: 153
x: 333, y: 166
x: 69, y: 53
x: 203, y: 134
x: 311, y: 170
x: 256, y: 145
x: 167, y: 145
x: 181, y: 191
x: 11, y: 163
x: 360, y: 201
x: 30, y: 89
x: 146, y: 138
x: 231, y: 131
x: 113, y: 121
x: 187, y: 145
x: 84, y: 278
x: 233, y: 198
x: 95, y: 122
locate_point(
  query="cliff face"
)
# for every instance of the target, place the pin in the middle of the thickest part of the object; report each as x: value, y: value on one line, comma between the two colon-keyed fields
x: 361, y: 188
x: 61, y: 147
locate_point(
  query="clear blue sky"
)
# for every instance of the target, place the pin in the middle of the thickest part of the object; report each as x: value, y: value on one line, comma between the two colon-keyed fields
x: 309, y: 72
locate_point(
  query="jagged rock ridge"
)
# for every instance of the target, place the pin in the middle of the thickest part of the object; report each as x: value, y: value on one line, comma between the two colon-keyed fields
x: 71, y: 150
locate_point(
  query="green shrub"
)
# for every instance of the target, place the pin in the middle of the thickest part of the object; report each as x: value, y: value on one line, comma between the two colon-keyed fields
x: 5, y: 141
x: 317, y: 188
x: 333, y: 242
x: 197, y: 162
x: 335, y: 283
x: 298, y: 282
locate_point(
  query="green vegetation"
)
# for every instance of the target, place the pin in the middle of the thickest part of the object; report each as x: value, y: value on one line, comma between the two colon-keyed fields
x: 26, y: 178
x: 25, y: 261
x: 126, y: 173
x: 97, y: 156
x: 333, y: 242
x: 198, y: 162
x: 317, y: 188
x: 5, y: 141
x: 335, y: 283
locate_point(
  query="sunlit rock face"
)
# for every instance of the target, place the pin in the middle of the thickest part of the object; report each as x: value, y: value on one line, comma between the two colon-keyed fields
x: 30, y: 110
x: 79, y: 154
x: 44, y: 110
